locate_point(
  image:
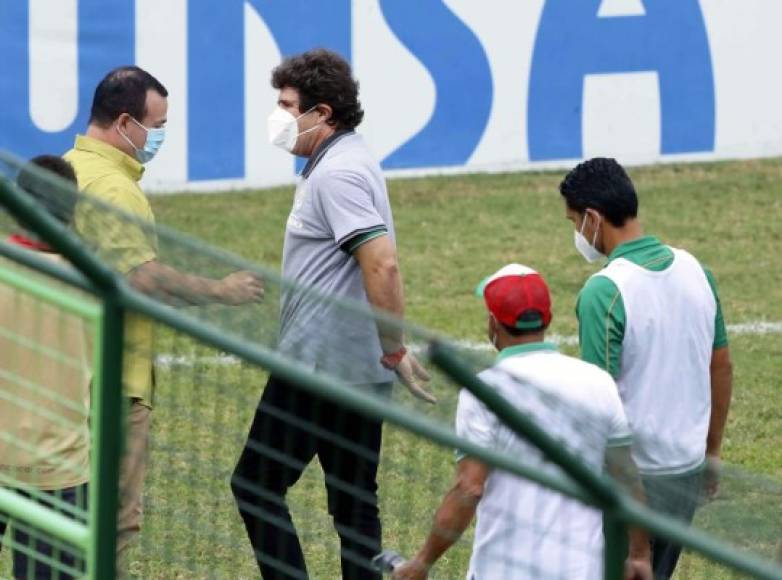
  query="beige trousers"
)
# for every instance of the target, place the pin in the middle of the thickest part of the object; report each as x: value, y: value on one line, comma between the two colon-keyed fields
x: 133, y: 470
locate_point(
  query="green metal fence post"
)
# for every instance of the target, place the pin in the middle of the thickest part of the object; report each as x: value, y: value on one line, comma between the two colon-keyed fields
x: 615, y: 551
x: 107, y: 443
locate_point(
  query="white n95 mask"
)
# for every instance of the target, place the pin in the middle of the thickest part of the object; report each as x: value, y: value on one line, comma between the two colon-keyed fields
x: 283, y: 129
x: 587, y: 250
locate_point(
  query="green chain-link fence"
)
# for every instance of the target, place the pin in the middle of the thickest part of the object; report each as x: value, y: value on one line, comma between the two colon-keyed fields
x: 211, y: 364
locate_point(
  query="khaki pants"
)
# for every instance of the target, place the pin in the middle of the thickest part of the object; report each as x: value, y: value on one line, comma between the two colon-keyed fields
x: 133, y: 470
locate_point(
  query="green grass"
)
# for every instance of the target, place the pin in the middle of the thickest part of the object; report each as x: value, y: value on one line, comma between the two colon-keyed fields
x: 453, y: 231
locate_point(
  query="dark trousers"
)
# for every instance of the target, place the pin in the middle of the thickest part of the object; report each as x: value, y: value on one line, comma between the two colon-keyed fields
x: 290, y: 428
x: 677, y: 496
x: 30, y: 565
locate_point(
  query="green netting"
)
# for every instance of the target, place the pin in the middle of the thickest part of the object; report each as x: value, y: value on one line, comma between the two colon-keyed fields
x: 194, y: 451
x: 205, y: 400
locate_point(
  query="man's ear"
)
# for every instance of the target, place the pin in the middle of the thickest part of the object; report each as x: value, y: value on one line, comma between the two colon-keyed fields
x: 122, y: 120
x: 492, y: 324
x: 325, y: 111
x: 597, y: 219
x: 593, y: 222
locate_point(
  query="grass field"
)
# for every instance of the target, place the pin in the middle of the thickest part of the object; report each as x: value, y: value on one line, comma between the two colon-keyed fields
x: 452, y: 231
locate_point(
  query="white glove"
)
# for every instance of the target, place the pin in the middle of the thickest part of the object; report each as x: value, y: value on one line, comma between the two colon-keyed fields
x: 414, y: 377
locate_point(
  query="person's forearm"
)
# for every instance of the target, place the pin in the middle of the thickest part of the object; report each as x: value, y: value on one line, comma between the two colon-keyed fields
x: 622, y: 468
x: 383, y: 285
x: 721, y: 392
x: 453, y: 517
x: 640, y: 548
x: 174, y: 287
x: 638, y: 538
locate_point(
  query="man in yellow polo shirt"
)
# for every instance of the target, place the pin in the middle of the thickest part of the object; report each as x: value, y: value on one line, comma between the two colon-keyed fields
x: 126, y: 129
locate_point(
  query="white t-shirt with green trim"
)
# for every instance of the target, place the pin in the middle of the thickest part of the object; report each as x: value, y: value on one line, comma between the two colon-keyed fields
x: 665, y: 378
x: 523, y: 529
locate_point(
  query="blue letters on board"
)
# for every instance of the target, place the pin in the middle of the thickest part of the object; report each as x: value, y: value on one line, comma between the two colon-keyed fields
x: 106, y: 32
x: 573, y: 41
x: 462, y: 77
x: 215, y: 92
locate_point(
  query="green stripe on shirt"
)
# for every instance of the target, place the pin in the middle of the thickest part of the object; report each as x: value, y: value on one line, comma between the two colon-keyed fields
x: 353, y: 243
x: 720, y: 333
x: 620, y: 441
x: 601, y: 324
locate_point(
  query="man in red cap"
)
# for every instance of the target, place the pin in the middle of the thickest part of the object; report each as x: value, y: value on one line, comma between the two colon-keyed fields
x: 522, y: 528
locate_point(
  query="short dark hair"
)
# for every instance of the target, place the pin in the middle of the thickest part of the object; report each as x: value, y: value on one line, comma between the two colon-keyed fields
x: 603, y: 185
x: 123, y: 90
x: 36, y: 179
x: 322, y: 76
x: 529, y: 317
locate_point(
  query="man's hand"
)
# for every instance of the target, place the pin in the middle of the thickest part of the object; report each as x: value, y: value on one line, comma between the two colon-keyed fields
x: 410, y: 570
x: 240, y: 288
x: 414, y: 377
x: 638, y: 569
x: 711, y: 477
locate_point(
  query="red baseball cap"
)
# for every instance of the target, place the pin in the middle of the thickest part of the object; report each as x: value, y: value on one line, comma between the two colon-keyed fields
x: 518, y: 297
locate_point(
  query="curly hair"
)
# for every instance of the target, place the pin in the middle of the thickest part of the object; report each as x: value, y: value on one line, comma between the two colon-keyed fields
x: 322, y: 76
x: 601, y: 184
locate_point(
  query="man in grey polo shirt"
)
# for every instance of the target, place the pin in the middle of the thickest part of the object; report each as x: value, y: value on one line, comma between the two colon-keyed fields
x: 340, y: 239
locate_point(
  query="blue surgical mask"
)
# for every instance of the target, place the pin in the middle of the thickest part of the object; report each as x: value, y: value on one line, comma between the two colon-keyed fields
x: 153, y: 143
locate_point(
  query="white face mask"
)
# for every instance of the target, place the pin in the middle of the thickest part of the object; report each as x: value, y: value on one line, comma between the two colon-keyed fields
x: 587, y: 250
x: 284, y: 130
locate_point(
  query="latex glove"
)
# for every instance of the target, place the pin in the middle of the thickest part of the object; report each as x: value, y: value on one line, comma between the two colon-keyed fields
x: 414, y: 377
